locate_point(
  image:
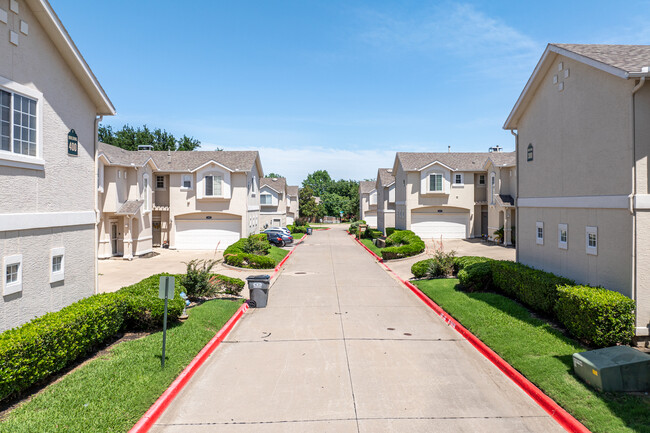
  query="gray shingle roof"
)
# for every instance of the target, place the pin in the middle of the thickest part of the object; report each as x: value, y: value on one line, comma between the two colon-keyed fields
x: 459, y: 161
x: 292, y: 191
x: 129, y: 207
x: 385, y: 176
x: 279, y: 184
x: 366, y: 186
x: 503, y: 159
x: 628, y: 58
x: 182, y: 160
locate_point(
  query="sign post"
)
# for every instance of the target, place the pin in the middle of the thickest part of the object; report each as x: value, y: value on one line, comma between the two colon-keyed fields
x: 165, y: 291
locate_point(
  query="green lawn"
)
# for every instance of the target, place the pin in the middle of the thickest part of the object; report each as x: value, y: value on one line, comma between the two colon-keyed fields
x: 371, y: 246
x: 277, y: 254
x: 297, y: 236
x: 542, y: 354
x: 110, y: 393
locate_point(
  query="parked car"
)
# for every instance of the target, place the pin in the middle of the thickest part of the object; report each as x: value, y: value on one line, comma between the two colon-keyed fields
x: 284, y: 229
x: 278, y: 237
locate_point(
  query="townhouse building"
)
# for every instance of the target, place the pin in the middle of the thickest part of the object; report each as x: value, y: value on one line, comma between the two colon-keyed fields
x: 583, y: 139
x: 50, y: 105
x: 368, y: 202
x: 293, y: 207
x: 385, y: 187
x: 273, y: 202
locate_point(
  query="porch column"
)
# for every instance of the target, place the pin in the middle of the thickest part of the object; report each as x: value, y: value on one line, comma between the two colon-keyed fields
x: 128, y: 239
x: 507, y: 227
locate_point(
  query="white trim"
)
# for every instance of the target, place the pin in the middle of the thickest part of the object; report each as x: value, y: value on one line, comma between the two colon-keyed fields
x: 212, y: 161
x: 16, y: 286
x: 587, y: 202
x: 42, y: 220
x: 642, y: 331
x: 642, y: 201
x: 538, y: 240
x: 562, y: 244
x: 269, y: 187
x: 59, y: 275
x: 435, y: 162
x: 591, y: 250
x: 253, y: 208
x: 462, y: 180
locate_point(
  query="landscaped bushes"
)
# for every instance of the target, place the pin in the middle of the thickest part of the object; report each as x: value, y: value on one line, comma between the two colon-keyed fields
x: 237, y: 255
x: 474, y: 273
x: 598, y: 316
x: 46, y: 345
x: 403, y: 243
x: 390, y: 230
x: 532, y: 287
x: 354, y: 227
x: 228, y: 285
x: 296, y: 228
x: 372, y: 234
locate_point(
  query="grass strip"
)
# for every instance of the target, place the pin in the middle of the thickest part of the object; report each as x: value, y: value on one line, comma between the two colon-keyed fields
x: 111, y: 392
x: 297, y: 236
x: 371, y: 246
x: 542, y: 354
x: 277, y: 254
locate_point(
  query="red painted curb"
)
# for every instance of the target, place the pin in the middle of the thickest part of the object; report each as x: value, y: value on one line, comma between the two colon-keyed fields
x: 561, y: 416
x: 151, y: 416
x: 379, y: 259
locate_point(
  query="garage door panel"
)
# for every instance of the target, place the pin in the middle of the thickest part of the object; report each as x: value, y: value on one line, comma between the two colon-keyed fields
x: 371, y: 220
x: 437, y: 225
x: 206, y: 235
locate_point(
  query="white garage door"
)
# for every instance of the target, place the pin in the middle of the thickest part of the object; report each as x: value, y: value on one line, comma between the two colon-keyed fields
x: 206, y: 234
x: 289, y: 220
x: 435, y: 225
x: 371, y: 220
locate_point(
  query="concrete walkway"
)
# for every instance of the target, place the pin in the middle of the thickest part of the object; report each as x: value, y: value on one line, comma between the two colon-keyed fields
x: 343, y: 347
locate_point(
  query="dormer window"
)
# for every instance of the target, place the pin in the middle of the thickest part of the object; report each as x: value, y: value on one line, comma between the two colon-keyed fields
x: 266, y: 199
x: 213, y: 185
x: 435, y: 182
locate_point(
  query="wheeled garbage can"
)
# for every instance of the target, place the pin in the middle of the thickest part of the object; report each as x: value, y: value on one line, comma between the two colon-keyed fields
x: 258, y: 287
x: 309, y: 229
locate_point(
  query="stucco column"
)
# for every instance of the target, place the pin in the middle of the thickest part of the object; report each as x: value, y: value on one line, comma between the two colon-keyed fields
x: 128, y: 239
x: 507, y: 226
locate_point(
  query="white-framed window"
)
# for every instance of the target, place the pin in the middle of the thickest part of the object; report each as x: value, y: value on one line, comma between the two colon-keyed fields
x: 21, y: 124
x: 187, y: 181
x: 100, y: 177
x: 481, y: 180
x: 436, y: 182
x: 562, y: 236
x: 458, y: 179
x: 146, y: 193
x: 57, y: 264
x: 119, y: 174
x: 591, y: 235
x: 12, y: 274
x: 266, y: 199
x: 539, y: 238
x: 213, y: 185
x: 253, y: 186
x: 372, y: 198
x: 160, y: 182
x: 493, y: 181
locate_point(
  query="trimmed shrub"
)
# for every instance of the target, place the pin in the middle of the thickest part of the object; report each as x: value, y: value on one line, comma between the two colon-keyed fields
x: 228, y: 285
x: 598, y: 316
x: 298, y: 229
x: 197, y: 278
x: 372, y: 234
x: 476, y: 276
x: 354, y: 227
x: 441, y: 265
x: 463, y: 261
x: 419, y: 269
x: 47, y: 344
x: 403, y: 243
x: 532, y: 287
x: 243, y: 260
x: 390, y: 230
x: 144, y: 309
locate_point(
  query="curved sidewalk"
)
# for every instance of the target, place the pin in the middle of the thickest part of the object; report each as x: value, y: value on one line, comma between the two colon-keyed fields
x: 343, y: 347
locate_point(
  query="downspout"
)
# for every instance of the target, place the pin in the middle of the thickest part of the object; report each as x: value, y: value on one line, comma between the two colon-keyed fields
x: 516, y: 135
x: 636, y: 88
x: 95, y: 198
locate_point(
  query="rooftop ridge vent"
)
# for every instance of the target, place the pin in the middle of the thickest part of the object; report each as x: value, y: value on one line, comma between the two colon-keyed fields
x: 145, y: 147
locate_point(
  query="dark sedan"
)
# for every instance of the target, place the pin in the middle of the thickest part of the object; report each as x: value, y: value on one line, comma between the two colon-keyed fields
x: 278, y: 238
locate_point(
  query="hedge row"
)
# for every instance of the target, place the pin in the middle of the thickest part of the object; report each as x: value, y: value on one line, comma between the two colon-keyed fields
x: 234, y: 255
x: 229, y: 285
x: 354, y: 227
x: 38, y: 349
x: 298, y: 229
x: 400, y: 244
x: 390, y: 230
x: 595, y: 315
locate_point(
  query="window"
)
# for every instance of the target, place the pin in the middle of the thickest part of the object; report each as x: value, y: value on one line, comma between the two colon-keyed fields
x: 18, y: 124
x: 187, y: 181
x: 529, y: 153
x: 160, y: 182
x: 145, y: 192
x: 592, y: 240
x: 540, y: 233
x: 13, y: 275
x: 100, y: 177
x: 213, y: 185
x: 57, y: 264
x: 266, y: 199
x: 458, y: 179
x: 492, y: 187
x: 562, y: 236
x: 481, y: 179
x: 435, y: 182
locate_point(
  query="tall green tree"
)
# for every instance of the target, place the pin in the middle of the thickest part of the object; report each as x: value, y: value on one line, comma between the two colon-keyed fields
x: 307, y: 204
x: 319, y: 181
x: 130, y: 138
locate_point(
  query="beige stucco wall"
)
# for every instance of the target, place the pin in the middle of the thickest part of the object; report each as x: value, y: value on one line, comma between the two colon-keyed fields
x: 253, y: 188
x: 66, y: 184
x: 275, y: 211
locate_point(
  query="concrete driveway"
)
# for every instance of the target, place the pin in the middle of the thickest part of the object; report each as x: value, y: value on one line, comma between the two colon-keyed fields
x: 462, y: 247
x: 343, y: 347
x: 117, y: 273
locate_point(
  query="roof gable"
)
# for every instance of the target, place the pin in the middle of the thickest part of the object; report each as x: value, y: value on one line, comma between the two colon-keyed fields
x: 454, y: 161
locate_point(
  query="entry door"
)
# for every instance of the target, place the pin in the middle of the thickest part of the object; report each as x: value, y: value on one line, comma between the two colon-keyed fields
x: 484, y: 223
x: 156, y: 233
x: 114, y: 238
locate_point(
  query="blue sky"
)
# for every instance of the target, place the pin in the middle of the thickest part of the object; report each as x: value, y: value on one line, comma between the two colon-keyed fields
x: 331, y: 85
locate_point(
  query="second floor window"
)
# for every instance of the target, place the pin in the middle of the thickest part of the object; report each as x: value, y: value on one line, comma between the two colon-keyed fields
x: 481, y: 179
x: 17, y: 124
x: 160, y: 182
x: 187, y: 181
x: 435, y: 182
x: 213, y: 186
x: 266, y: 199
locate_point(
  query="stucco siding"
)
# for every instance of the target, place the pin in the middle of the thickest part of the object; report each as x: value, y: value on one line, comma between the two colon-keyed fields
x: 643, y: 268
x: 38, y: 295
x: 610, y: 268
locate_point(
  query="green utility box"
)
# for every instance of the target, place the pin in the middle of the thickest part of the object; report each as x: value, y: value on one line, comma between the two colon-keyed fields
x: 617, y: 368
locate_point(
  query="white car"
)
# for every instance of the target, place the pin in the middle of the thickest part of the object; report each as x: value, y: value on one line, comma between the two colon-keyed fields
x: 282, y: 229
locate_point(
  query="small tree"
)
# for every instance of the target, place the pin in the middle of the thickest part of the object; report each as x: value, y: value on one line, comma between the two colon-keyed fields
x: 197, y: 279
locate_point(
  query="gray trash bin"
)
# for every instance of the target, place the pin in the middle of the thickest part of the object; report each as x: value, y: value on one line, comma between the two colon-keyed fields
x: 309, y: 229
x: 258, y: 287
